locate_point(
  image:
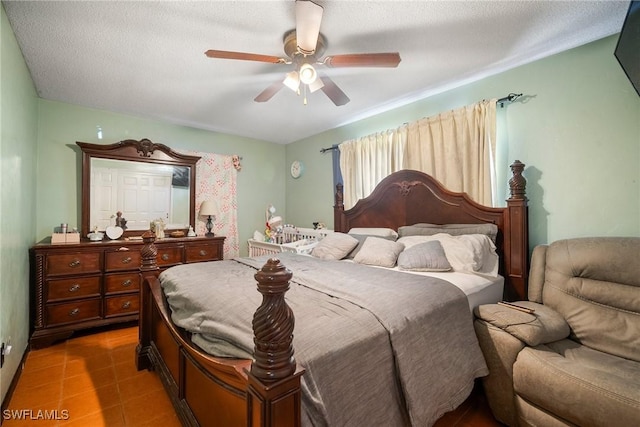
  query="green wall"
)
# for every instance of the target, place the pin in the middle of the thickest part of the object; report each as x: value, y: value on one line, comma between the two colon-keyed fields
x: 577, y: 128
x: 260, y: 182
x: 18, y: 124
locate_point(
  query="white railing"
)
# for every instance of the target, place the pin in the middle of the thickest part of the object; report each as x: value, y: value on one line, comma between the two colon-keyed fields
x: 292, y: 239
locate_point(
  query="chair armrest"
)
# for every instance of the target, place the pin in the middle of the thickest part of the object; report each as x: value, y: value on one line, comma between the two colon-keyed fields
x: 543, y: 326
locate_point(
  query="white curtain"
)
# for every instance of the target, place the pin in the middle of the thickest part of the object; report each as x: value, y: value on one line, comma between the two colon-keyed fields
x: 455, y: 147
x: 365, y: 161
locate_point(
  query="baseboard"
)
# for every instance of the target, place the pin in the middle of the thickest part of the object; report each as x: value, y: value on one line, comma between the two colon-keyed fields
x: 14, y: 383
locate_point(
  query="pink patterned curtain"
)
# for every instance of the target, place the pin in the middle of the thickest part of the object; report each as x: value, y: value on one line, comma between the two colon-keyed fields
x: 216, y: 180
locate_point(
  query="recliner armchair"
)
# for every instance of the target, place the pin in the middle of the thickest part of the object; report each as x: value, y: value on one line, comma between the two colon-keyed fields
x: 576, y: 359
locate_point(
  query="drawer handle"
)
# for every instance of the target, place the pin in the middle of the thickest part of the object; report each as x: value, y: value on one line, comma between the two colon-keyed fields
x: 126, y: 304
x: 74, y: 263
x: 165, y: 257
x: 127, y: 260
x: 203, y: 252
x: 74, y: 288
x: 127, y: 282
x: 74, y: 312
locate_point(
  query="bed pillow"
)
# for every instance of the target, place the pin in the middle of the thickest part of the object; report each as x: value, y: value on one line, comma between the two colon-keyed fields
x: 427, y: 256
x: 424, y: 229
x: 468, y: 252
x: 334, y: 246
x: 375, y: 231
x: 379, y: 251
x: 361, y: 238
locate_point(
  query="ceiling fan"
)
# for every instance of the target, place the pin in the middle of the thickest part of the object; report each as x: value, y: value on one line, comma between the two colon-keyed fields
x: 304, y: 47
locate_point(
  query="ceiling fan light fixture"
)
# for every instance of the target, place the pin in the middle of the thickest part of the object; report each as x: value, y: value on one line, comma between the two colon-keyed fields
x: 308, y: 19
x: 308, y: 74
x: 314, y: 86
x: 292, y: 81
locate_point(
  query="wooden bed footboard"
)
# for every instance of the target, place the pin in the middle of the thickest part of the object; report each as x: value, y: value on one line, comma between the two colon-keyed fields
x: 212, y: 391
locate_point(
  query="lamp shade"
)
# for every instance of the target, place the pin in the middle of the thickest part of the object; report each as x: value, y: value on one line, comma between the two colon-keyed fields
x: 307, y: 74
x: 208, y: 207
x: 314, y: 86
x: 292, y: 81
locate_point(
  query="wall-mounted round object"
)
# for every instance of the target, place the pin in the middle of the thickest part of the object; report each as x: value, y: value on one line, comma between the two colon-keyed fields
x: 296, y: 169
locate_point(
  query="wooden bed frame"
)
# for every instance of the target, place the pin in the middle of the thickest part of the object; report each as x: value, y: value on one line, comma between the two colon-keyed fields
x: 211, y: 391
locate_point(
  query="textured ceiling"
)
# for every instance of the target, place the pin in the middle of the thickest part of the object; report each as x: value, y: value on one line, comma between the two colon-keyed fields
x: 147, y: 58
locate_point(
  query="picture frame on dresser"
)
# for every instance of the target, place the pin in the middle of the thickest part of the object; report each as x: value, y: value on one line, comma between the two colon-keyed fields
x: 94, y: 283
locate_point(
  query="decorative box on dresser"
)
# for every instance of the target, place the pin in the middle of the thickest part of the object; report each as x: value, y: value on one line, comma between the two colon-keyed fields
x: 90, y: 284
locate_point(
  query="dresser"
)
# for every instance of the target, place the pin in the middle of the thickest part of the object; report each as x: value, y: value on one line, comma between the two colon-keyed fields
x: 91, y: 284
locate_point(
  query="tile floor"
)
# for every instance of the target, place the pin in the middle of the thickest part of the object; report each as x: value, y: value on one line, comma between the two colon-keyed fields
x: 91, y: 381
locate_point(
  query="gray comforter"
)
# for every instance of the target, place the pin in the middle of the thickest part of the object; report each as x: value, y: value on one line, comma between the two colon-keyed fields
x: 379, y: 347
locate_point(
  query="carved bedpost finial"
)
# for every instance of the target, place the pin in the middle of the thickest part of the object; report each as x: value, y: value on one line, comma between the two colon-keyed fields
x: 517, y: 183
x: 149, y: 252
x: 339, y: 195
x: 273, y: 325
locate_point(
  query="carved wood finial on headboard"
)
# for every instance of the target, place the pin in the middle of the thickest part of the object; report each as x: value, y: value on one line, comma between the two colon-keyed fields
x: 273, y: 324
x: 517, y: 183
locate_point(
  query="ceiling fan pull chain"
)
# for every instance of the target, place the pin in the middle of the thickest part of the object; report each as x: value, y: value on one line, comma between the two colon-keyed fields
x: 305, y: 94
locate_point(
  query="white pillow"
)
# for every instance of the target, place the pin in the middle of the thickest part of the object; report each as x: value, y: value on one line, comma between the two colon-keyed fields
x: 375, y: 231
x: 334, y: 246
x: 468, y: 252
x: 379, y: 251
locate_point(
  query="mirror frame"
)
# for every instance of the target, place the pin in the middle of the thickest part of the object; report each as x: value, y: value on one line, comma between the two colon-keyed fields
x: 143, y: 151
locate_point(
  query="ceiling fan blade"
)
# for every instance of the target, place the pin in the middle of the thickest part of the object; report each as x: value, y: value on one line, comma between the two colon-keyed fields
x: 334, y: 93
x: 308, y: 19
x: 390, y: 59
x: 268, y: 93
x: 225, y: 54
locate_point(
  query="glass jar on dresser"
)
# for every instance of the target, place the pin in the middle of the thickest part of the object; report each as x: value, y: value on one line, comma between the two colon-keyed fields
x: 86, y: 285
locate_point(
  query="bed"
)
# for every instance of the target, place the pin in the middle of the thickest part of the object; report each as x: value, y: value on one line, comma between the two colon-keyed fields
x: 269, y: 387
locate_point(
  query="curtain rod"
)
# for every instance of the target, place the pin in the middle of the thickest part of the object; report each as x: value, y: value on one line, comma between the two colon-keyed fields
x: 509, y: 98
x: 324, y: 150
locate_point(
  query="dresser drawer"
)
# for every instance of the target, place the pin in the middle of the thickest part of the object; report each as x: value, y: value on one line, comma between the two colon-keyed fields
x: 169, y: 255
x: 73, y: 312
x: 122, y: 260
x: 78, y: 287
x: 121, y: 305
x: 59, y: 264
x: 121, y: 282
x: 203, y: 252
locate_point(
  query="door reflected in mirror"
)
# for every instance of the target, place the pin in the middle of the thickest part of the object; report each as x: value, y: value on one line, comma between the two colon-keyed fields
x: 142, y: 181
x: 143, y: 192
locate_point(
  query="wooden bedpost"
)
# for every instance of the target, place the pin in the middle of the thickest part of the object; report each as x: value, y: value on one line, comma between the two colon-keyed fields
x: 517, y: 243
x: 338, y: 207
x: 273, y: 394
x: 148, y: 267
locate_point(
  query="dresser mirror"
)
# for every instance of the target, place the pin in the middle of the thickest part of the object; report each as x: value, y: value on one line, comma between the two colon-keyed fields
x: 135, y: 183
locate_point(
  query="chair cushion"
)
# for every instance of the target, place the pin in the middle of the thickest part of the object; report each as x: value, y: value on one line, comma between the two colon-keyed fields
x: 584, y: 386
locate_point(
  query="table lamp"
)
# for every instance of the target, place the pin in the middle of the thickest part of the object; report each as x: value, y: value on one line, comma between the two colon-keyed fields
x: 209, y: 208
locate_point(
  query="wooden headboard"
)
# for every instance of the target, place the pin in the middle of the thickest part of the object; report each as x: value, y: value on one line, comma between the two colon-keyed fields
x: 409, y: 197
